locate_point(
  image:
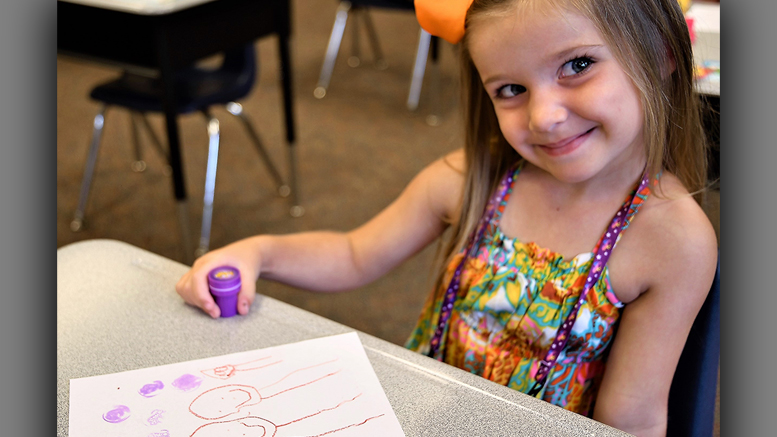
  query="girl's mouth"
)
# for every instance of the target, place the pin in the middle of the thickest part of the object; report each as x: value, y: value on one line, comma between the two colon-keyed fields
x: 567, y: 145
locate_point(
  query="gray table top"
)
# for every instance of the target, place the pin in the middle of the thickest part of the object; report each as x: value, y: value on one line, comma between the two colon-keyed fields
x: 117, y: 310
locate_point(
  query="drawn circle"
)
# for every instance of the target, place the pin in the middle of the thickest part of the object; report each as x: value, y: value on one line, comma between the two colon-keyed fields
x: 250, y: 426
x: 220, y: 402
x: 119, y: 413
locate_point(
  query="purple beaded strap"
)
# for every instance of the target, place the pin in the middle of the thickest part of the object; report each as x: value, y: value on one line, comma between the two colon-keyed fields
x: 601, y: 253
x: 453, y: 286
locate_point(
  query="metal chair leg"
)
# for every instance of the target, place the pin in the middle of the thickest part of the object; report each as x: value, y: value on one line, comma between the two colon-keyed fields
x: 183, y: 221
x: 380, y: 62
x: 355, y: 59
x: 91, y: 160
x: 157, y: 143
x: 434, y: 118
x: 210, y: 183
x: 284, y: 190
x: 422, y: 53
x: 236, y: 109
x: 332, y: 48
x: 138, y: 165
x: 296, y: 209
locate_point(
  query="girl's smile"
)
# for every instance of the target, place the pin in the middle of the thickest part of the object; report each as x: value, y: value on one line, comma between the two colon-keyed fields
x: 565, y: 146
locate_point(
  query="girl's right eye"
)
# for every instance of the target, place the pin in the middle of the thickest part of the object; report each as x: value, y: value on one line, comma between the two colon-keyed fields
x: 511, y: 90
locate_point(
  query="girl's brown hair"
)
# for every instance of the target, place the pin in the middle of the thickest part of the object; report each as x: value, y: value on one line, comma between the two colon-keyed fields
x: 647, y: 37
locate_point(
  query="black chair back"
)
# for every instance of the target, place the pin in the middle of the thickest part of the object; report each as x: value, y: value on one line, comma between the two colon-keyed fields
x: 694, y: 387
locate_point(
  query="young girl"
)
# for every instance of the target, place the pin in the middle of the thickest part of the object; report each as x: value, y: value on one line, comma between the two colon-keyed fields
x: 582, y: 127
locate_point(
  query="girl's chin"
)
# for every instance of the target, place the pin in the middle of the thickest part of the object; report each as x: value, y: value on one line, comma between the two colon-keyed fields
x: 571, y: 174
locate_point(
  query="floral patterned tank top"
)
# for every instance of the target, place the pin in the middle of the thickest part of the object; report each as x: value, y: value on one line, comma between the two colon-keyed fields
x: 513, y: 297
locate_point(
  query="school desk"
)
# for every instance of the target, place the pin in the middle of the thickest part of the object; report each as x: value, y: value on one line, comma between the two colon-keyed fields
x: 117, y: 310
x: 162, y: 36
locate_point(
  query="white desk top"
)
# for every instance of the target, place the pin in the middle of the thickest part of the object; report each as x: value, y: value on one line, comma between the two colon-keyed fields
x: 117, y: 310
x: 141, y: 7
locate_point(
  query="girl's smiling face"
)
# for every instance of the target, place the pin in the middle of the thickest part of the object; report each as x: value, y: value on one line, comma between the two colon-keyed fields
x: 562, y: 99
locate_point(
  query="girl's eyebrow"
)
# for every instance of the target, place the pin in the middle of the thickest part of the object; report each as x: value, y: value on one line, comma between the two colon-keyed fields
x: 563, y: 54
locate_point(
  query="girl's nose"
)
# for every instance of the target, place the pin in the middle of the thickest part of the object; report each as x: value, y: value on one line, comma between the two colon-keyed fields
x: 546, y: 111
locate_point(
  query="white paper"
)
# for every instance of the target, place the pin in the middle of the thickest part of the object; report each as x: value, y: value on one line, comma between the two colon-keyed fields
x: 316, y: 387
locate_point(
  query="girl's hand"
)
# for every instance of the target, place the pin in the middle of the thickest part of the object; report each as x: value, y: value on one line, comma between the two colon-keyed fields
x: 243, y: 255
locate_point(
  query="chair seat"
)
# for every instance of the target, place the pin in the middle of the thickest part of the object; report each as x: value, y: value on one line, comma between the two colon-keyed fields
x: 196, y: 89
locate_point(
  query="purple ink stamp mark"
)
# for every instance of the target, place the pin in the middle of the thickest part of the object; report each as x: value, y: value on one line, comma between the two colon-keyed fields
x: 163, y: 433
x: 152, y: 389
x: 187, y: 382
x: 119, y: 413
x: 156, y: 417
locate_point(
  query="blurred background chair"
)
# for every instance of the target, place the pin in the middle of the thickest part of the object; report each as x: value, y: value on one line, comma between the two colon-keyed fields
x: 360, y: 11
x: 197, y: 89
x: 694, y: 387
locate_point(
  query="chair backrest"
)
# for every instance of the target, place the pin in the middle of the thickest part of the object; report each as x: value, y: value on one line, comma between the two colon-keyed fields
x: 232, y: 80
x: 694, y: 387
x: 242, y: 60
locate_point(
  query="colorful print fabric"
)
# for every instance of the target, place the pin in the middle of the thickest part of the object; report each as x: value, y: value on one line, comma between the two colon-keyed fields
x: 512, y: 299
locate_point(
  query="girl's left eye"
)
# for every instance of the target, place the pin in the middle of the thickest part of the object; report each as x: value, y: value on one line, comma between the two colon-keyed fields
x: 576, y: 66
x: 509, y: 91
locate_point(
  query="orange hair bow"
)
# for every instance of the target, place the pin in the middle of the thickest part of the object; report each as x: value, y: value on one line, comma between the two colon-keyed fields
x: 443, y: 18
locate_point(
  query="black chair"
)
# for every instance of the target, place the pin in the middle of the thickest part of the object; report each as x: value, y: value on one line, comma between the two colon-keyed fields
x: 197, y: 89
x: 360, y: 9
x: 694, y: 387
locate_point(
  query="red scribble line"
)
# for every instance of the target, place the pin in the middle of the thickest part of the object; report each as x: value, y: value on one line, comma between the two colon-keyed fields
x: 241, y: 421
x: 298, y: 370
x: 325, y: 409
x: 235, y: 369
x: 252, y: 361
x: 218, y: 371
x: 349, y: 426
x: 302, y: 385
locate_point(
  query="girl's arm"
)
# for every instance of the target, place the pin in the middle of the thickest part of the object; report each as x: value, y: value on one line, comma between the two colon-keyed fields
x: 336, y: 261
x: 677, y: 263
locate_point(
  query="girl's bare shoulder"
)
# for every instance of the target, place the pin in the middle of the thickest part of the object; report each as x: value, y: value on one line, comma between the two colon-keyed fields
x: 443, y: 181
x: 675, y: 217
x: 670, y: 240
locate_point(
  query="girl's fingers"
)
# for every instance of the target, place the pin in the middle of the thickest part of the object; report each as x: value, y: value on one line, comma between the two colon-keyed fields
x: 201, y: 293
x: 207, y: 303
x: 193, y: 288
x: 247, y: 294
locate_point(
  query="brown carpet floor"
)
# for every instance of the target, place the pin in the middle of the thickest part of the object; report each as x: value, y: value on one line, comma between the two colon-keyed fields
x: 357, y: 148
